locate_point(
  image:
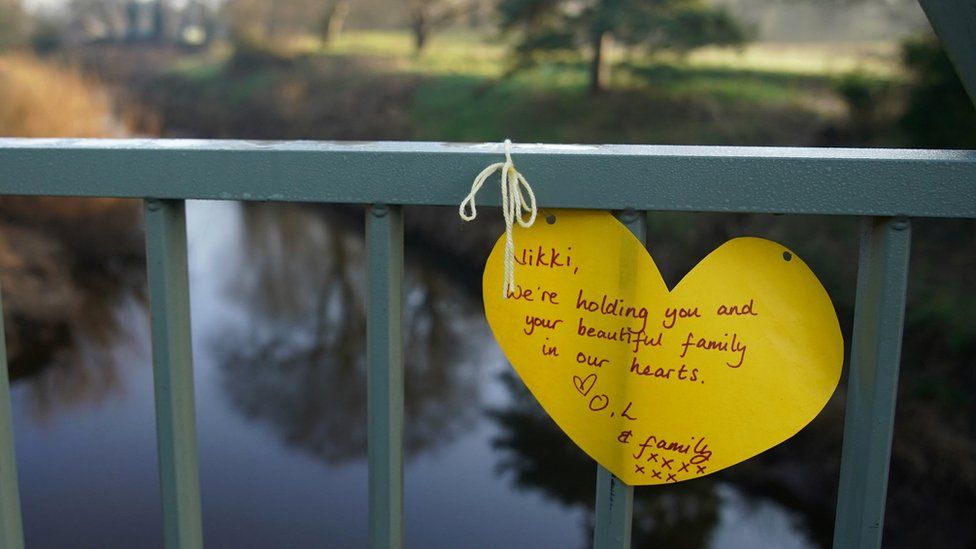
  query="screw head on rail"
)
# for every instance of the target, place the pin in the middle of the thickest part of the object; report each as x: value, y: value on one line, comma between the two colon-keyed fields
x: 152, y: 204
x: 628, y: 215
x: 900, y: 224
x: 379, y: 210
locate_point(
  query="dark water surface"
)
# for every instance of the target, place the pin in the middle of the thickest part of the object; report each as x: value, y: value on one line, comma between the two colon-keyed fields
x: 277, y: 308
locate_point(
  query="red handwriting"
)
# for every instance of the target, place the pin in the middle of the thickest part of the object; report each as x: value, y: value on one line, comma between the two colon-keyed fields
x: 647, y: 370
x: 549, y: 350
x: 519, y: 293
x: 671, y: 316
x: 627, y: 409
x: 599, y: 402
x: 733, y: 346
x: 615, y: 317
x: 544, y: 257
x: 584, y: 384
x: 700, y: 450
x: 736, y: 310
x: 625, y: 334
x: 595, y: 361
x: 532, y: 322
x: 612, y: 307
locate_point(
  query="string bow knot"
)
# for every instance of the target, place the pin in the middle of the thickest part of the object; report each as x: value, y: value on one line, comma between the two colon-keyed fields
x: 515, y: 207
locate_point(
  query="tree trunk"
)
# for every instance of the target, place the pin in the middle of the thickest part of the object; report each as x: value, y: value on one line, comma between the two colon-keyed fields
x: 271, y: 23
x: 333, y: 20
x: 599, y: 68
x: 159, y: 22
x: 476, y: 14
x: 421, y: 29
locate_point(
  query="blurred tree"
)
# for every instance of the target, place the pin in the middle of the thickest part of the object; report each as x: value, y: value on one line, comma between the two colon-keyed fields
x: 12, y: 20
x: 157, y: 21
x: 938, y: 112
x: 158, y: 32
x: 827, y: 20
x: 333, y: 19
x: 560, y: 25
x: 257, y: 22
x: 197, y: 23
x: 106, y: 19
x: 47, y: 35
x: 288, y: 17
x: 244, y: 19
x: 427, y: 15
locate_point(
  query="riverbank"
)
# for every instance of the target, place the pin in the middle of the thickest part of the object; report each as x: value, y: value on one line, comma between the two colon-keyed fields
x: 61, y: 259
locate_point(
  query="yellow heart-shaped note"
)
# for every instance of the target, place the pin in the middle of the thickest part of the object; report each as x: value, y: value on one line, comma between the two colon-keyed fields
x: 663, y: 385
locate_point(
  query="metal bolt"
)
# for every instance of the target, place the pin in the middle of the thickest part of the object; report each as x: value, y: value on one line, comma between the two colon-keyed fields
x: 628, y: 215
x: 899, y: 224
x: 152, y: 204
x: 380, y: 210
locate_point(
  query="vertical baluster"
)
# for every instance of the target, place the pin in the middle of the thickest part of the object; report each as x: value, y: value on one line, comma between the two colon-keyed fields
x: 169, y: 294
x: 882, y: 280
x: 384, y: 297
x: 614, y: 511
x: 11, y: 529
x: 614, y: 499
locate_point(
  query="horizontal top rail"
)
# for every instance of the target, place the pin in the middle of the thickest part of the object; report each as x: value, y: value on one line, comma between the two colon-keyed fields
x: 876, y: 182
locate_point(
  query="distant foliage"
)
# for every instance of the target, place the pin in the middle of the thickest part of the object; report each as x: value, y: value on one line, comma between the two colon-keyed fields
x: 41, y: 99
x: 428, y: 15
x: 866, y: 97
x: 47, y: 36
x: 547, y: 26
x: 12, y: 21
x: 938, y: 113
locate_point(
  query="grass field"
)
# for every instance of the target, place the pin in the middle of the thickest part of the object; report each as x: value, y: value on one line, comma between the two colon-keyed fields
x: 474, y: 53
x: 371, y: 85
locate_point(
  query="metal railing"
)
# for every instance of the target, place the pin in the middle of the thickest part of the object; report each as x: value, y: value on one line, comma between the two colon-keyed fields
x: 885, y: 187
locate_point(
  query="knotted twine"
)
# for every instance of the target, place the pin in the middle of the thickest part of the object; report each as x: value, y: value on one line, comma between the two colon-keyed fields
x: 514, y: 208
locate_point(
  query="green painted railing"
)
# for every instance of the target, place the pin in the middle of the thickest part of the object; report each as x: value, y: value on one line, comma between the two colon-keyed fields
x: 885, y: 187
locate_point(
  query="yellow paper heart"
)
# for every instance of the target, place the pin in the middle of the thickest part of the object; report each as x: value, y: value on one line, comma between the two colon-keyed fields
x: 662, y: 386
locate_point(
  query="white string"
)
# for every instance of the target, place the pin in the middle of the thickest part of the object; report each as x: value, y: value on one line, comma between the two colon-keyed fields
x: 514, y: 207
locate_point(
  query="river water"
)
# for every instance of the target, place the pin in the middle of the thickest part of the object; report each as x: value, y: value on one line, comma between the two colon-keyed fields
x: 277, y: 312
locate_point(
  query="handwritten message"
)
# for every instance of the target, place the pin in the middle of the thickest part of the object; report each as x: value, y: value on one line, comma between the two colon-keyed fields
x: 662, y: 385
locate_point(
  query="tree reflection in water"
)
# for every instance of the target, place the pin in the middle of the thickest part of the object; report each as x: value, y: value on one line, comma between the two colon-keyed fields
x: 541, y: 457
x: 73, y: 281
x: 75, y: 362
x: 297, y: 360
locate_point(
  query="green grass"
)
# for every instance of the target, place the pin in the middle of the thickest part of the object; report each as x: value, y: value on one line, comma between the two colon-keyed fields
x: 767, y: 94
x: 876, y: 58
x: 448, y: 53
x: 197, y: 68
x: 461, y: 89
x: 484, y: 54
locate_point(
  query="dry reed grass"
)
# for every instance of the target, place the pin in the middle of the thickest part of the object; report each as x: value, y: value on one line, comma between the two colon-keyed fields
x: 42, y: 99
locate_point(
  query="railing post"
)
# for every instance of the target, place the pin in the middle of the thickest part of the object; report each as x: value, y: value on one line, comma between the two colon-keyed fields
x: 11, y: 528
x: 614, y: 511
x: 384, y: 297
x: 614, y: 499
x: 882, y: 280
x: 169, y: 299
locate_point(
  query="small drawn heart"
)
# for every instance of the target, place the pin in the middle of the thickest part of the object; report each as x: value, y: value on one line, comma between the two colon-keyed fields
x: 584, y: 385
x: 741, y: 354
